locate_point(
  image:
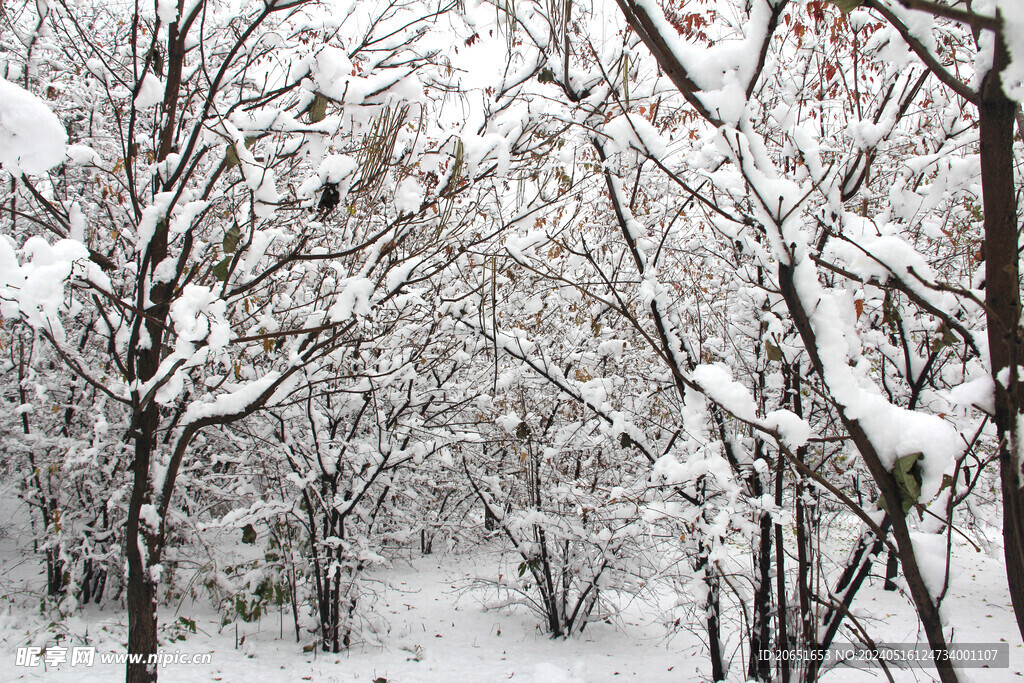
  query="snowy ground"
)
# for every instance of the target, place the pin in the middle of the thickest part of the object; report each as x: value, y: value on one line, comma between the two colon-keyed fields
x: 434, y: 629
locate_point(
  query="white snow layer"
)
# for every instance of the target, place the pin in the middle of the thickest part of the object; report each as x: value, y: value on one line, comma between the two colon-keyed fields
x: 151, y: 92
x: 634, y: 132
x: 35, y: 290
x: 1012, y: 12
x: 717, y: 383
x: 231, y: 403
x: 32, y: 138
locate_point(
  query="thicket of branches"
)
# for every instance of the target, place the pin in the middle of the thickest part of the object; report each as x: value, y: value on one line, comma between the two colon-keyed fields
x: 623, y: 285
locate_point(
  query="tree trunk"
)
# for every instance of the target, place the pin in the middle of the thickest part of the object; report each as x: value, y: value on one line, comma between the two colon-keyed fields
x: 927, y: 608
x: 781, y: 622
x: 143, y: 545
x: 142, y: 641
x: 142, y: 636
x: 808, y: 636
x: 759, y: 668
x: 1002, y: 297
x: 892, y: 570
x: 712, y: 606
x: 711, y: 616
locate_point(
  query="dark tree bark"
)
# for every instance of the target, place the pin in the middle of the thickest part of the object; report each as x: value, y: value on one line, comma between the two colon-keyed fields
x: 759, y: 668
x: 892, y: 570
x: 142, y: 633
x: 781, y: 625
x: 1002, y: 297
x: 712, y: 607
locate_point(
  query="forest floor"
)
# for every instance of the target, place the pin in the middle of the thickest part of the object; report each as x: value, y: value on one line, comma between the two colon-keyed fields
x: 429, y: 618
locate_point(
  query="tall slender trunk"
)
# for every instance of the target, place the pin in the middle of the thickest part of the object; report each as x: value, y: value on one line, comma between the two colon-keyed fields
x: 1002, y: 297
x: 711, y: 617
x: 803, y: 563
x: 142, y: 633
x: 781, y: 624
x: 759, y: 668
x: 807, y: 636
x: 712, y: 606
x: 142, y: 545
x: 857, y: 569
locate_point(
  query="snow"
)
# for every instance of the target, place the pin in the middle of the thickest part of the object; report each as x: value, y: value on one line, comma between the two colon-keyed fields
x: 518, y: 246
x: 630, y: 131
x: 612, y: 348
x: 570, y: 335
x: 331, y: 67
x: 198, y: 315
x: 893, y: 430
x: 1012, y: 13
x: 151, y: 216
x: 432, y: 625
x: 32, y: 287
x: 167, y: 10
x: 478, y: 149
x: 149, y: 517
x: 97, y: 68
x: 434, y: 619
x: 354, y: 299
x: 184, y: 214
x: 261, y: 241
x: 335, y: 77
x: 81, y: 155
x: 594, y: 392
x: 794, y: 430
x: 408, y: 195
x: 231, y: 402
x: 979, y: 392
x: 261, y: 181
x: 151, y: 92
x: 336, y: 168
x: 32, y: 139
x: 930, y: 551
x: 717, y: 383
x: 399, y: 275
x: 721, y: 70
x: 879, y: 252
x: 76, y: 222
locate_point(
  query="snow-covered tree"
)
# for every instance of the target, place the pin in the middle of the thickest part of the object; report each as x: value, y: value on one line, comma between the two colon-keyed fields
x: 260, y: 189
x: 645, y: 291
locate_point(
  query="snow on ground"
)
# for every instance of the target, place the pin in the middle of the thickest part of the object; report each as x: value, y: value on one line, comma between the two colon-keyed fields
x: 437, y: 632
x: 434, y: 628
